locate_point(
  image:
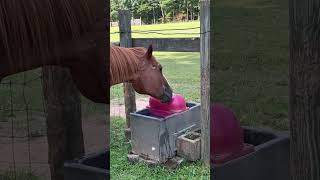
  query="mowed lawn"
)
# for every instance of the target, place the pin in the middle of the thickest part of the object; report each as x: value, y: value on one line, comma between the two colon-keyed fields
x: 250, y: 58
x: 168, y: 30
x: 182, y: 71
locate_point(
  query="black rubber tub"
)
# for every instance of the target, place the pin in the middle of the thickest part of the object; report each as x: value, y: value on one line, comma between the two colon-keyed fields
x: 270, y: 161
x: 91, y: 167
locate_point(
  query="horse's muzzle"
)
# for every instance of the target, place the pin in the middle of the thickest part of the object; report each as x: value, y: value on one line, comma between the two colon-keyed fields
x: 167, y: 95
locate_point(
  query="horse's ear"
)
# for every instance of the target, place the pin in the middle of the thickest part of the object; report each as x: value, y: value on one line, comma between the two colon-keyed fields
x: 149, y: 52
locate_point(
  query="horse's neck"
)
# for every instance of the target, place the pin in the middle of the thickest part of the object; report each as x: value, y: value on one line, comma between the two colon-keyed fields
x: 124, y: 65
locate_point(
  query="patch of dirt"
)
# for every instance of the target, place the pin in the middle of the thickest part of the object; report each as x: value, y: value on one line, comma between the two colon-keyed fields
x: 117, y: 108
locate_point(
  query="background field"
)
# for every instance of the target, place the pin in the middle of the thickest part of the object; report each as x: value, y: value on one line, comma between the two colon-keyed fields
x: 250, y: 55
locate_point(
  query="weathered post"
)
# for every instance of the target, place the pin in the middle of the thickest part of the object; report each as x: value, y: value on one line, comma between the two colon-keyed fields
x: 64, y: 127
x: 304, y: 99
x: 126, y: 41
x: 205, y: 80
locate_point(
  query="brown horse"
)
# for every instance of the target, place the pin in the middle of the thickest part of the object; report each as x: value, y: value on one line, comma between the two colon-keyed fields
x: 67, y: 33
x: 139, y: 67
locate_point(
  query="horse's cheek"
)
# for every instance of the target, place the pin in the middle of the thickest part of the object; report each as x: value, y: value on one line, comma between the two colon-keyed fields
x: 136, y: 87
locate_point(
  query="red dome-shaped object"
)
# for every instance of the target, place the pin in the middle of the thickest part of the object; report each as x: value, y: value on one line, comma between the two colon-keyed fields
x: 226, y: 135
x: 176, y: 105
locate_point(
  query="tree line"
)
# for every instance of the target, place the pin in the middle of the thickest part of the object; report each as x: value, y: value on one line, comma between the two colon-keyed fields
x: 155, y: 11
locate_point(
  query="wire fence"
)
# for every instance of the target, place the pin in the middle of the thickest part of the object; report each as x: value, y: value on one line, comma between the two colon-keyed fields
x: 19, y: 106
x: 23, y: 127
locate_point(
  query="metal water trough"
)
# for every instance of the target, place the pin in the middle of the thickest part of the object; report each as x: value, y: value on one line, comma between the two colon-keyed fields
x: 155, y: 137
x: 94, y: 166
x: 269, y: 161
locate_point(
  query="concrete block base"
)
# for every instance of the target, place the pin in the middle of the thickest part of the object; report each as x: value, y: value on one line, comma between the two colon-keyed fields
x: 189, y: 146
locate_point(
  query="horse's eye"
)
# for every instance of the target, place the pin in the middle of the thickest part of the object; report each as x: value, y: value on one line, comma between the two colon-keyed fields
x: 160, y: 68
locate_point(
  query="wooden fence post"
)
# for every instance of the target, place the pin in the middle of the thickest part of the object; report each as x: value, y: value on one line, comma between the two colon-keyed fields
x: 205, y: 80
x: 64, y: 126
x: 126, y: 41
x: 304, y: 93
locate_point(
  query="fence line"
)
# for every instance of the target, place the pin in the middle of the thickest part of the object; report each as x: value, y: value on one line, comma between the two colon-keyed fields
x: 161, y: 30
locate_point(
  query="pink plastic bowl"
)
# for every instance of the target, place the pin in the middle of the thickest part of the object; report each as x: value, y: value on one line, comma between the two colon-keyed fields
x: 177, y: 105
x: 226, y: 135
x: 226, y: 132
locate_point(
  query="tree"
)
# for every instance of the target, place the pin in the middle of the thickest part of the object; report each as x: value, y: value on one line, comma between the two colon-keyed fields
x: 304, y: 106
x: 161, y: 4
x: 144, y: 10
x: 152, y: 10
x: 194, y: 8
x: 154, y: 4
x: 116, y: 5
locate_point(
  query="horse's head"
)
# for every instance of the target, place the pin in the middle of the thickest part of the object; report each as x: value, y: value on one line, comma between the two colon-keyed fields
x: 150, y: 79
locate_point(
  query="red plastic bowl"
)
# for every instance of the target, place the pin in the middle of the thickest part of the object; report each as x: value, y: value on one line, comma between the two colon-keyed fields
x: 176, y: 105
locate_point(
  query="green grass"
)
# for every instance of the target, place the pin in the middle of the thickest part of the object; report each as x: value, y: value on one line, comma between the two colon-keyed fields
x: 121, y: 169
x: 250, y: 58
x: 114, y: 37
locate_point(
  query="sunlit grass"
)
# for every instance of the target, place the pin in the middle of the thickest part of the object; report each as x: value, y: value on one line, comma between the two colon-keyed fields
x: 168, y: 33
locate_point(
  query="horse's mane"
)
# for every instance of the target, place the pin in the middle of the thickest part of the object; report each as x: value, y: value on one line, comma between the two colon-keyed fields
x: 38, y: 26
x: 124, y: 63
